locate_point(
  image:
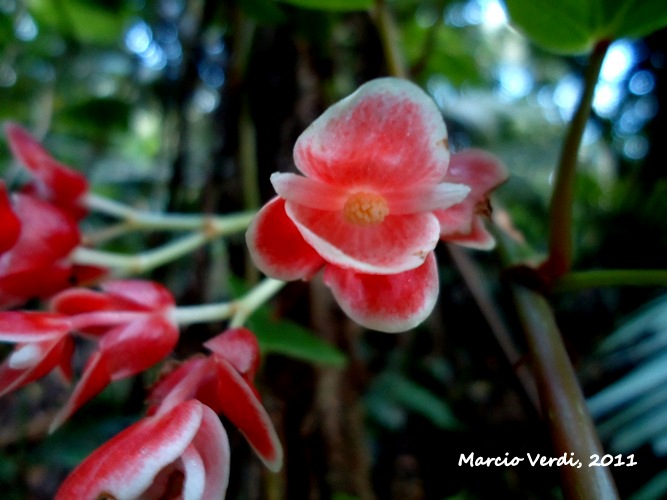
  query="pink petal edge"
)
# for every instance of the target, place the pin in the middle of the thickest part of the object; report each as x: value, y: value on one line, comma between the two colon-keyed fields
x: 391, y: 303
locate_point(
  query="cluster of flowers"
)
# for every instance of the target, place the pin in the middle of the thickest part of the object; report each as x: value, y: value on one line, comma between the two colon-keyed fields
x: 379, y: 191
x: 181, y: 446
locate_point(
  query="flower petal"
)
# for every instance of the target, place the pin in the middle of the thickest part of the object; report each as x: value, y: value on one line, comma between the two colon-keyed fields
x: 213, y: 446
x: 392, y: 303
x: 309, y: 192
x: 238, y: 402
x: 55, y: 181
x: 39, y: 282
x: 387, y: 134
x: 47, y: 235
x: 134, y: 347
x: 195, y: 477
x: 126, y: 465
x: 47, y: 355
x: 146, y: 295
x: 462, y: 223
x: 32, y: 326
x: 239, y: 346
x: 478, y: 169
x: 426, y: 198
x: 80, y: 300
x: 277, y: 247
x: 397, y: 244
x: 478, y: 237
x: 181, y: 384
x: 9, y: 222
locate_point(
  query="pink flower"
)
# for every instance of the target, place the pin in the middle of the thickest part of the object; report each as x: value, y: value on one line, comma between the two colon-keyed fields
x: 463, y: 223
x: 179, y: 453
x: 368, y: 207
x: 129, y: 319
x: 223, y: 382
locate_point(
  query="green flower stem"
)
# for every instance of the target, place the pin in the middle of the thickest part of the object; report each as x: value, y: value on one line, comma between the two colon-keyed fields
x: 142, y: 262
x: 563, y: 404
x: 610, y: 277
x: 238, y: 310
x: 255, y: 299
x: 386, y: 27
x: 560, y: 210
x: 221, y: 225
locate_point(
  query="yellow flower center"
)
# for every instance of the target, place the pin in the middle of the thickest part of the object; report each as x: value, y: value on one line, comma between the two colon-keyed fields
x: 365, y: 209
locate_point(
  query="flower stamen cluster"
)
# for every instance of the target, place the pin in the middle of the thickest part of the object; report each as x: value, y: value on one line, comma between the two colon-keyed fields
x: 365, y: 209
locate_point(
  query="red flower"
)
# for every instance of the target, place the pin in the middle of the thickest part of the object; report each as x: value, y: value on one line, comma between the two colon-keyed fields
x: 179, y: 453
x: 40, y: 226
x: 130, y: 320
x: 9, y: 222
x: 223, y: 382
x: 51, y: 180
x: 368, y: 207
x: 35, y: 261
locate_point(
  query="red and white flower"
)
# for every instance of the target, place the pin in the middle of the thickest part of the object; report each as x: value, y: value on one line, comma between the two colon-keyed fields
x: 129, y: 319
x: 463, y: 223
x: 223, y: 381
x: 368, y: 206
x: 179, y: 453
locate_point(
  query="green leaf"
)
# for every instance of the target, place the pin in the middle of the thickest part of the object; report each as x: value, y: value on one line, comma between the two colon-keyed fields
x: 576, y: 26
x: 291, y: 339
x: 84, y: 21
x: 635, y: 18
x: 335, y: 5
x: 418, y: 399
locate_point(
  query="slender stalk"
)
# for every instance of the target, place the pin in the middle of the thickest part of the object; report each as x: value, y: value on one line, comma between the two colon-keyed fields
x: 427, y: 49
x: 248, y: 158
x: 99, y: 236
x: 204, y: 313
x: 386, y: 27
x: 563, y: 404
x: 254, y: 299
x: 141, y: 262
x: 560, y: 210
x: 137, y: 219
x: 610, y: 277
x: 239, y: 310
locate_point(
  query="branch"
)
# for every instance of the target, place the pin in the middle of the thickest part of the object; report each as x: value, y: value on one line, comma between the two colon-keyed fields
x: 563, y: 404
